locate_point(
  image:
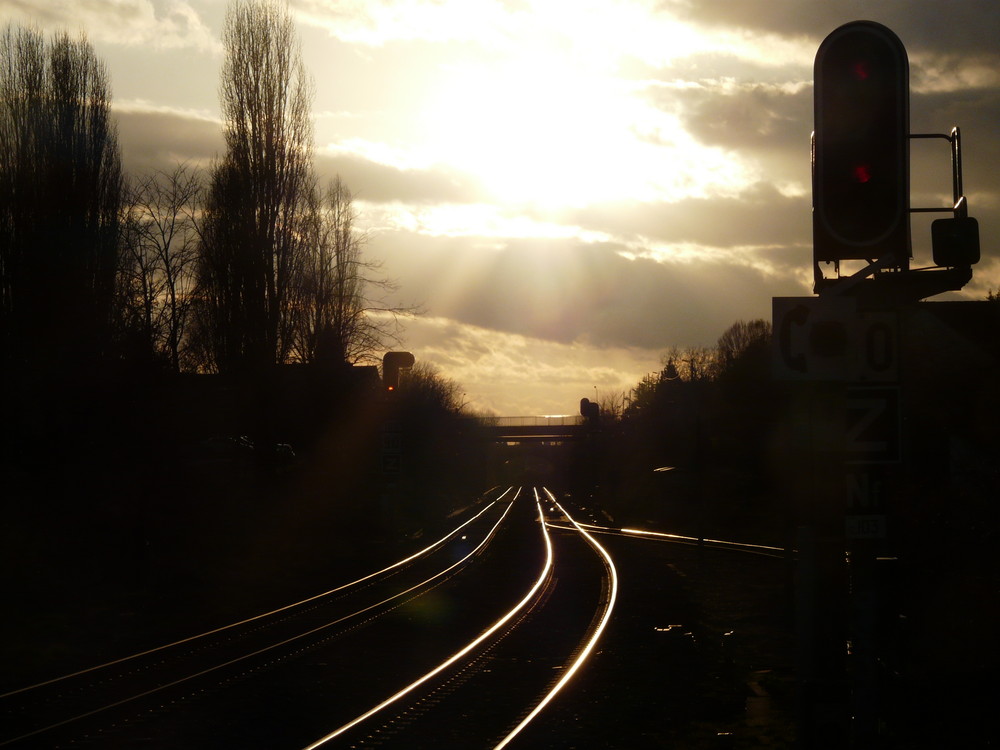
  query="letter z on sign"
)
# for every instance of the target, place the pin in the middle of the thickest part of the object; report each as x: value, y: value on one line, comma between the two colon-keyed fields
x: 872, y: 426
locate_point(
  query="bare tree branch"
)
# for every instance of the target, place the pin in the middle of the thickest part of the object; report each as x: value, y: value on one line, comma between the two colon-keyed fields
x: 337, y: 319
x: 157, y: 270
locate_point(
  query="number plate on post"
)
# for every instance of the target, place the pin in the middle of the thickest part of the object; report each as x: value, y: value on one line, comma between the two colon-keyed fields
x: 865, y: 527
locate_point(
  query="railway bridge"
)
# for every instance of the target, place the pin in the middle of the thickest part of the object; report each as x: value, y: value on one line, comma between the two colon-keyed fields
x: 536, y: 429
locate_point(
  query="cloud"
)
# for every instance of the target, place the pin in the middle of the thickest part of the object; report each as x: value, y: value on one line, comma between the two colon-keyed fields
x: 763, y: 114
x: 571, y: 293
x: 515, y: 375
x: 759, y: 215
x: 375, y: 22
x: 969, y: 25
x: 163, y: 24
x: 379, y: 182
x: 158, y: 138
x: 765, y: 120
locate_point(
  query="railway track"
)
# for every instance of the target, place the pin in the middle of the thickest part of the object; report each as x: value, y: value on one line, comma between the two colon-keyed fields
x: 490, y: 691
x: 465, y: 643
x: 82, y: 706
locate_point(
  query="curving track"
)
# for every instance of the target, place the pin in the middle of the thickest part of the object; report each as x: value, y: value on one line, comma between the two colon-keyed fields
x: 465, y: 643
x: 489, y: 691
x: 101, y: 701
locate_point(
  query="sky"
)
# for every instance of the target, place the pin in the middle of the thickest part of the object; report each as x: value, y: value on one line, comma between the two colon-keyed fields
x: 566, y: 188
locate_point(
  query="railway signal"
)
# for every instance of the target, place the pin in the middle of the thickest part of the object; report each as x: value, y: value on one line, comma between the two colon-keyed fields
x: 848, y: 347
x: 861, y: 156
x: 392, y: 363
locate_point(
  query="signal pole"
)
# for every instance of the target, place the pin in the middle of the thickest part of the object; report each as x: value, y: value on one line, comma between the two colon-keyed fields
x: 843, y: 347
x: 393, y: 442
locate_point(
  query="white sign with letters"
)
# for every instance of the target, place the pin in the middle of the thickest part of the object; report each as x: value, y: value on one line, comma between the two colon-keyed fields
x: 829, y: 339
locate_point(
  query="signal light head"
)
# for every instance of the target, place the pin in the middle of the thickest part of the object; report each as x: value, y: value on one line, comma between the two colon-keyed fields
x: 861, y: 181
x: 392, y: 363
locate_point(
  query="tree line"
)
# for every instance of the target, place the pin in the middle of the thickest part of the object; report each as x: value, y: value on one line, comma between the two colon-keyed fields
x: 231, y: 269
x: 741, y: 354
x: 697, y: 431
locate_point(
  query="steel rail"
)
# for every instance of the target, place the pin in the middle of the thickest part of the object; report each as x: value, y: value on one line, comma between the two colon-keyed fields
x: 584, y: 654
x: 286, y: 641
x: 763, y: 550
x: 461, y: 653
x: 261, y: 616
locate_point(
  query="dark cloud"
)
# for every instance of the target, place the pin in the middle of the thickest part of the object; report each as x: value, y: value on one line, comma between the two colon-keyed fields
x: 970, y: 26
x: 159, y: 140
x: 757, y: 118
x: 752, y: 116
x: 568, y: 292
x: 977, y: 112
x: 383, y: 183
x: 758, y: 216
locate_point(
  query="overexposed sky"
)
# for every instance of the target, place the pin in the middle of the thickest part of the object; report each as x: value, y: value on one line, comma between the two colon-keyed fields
x: 568, y: 188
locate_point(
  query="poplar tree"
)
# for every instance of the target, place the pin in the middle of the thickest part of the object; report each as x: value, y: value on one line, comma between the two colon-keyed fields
x: 338, y: 318
x: 60, y: 195
x: 257, y: 214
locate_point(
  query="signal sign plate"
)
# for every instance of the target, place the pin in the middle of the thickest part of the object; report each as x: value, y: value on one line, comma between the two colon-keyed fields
x: 828, y: 339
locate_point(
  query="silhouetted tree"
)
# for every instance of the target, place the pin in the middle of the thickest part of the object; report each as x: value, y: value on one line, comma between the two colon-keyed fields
x: 440, y: 446
x: 157, y: 268
x: 425, y: 389
x: 691, y: 364
x: 713, y: 414
x: 743, y: 349
x: 60, y: 194
x: 611, y: 405
x: 643, y: 396
x: 256, y: 221
x: 336, y: 320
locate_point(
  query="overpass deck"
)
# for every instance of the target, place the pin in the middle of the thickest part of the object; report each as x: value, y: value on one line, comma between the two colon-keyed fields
x: 539, y: 428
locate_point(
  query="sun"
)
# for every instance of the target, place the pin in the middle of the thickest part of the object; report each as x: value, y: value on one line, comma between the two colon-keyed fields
x: 535, y: 130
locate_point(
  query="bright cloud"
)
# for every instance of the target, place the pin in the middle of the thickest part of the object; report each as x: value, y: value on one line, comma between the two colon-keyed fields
x: 159, y: 24
x: 478, y: 220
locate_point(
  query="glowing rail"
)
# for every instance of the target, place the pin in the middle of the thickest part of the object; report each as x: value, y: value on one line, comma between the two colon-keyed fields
x: 272, y: 646
x: 458, y: 654
x: 764, y: 550
x: 222, y: 629
x: 585, y: 652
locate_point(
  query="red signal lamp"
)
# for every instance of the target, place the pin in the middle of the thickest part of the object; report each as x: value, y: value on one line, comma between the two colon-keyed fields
x: 392, y: 363
x: 861, y: 172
